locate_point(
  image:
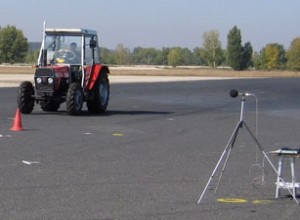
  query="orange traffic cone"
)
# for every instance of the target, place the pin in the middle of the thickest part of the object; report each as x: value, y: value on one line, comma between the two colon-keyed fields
x: 17, y: 125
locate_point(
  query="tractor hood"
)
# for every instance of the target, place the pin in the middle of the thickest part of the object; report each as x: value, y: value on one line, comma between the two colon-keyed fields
x: 61, y: 71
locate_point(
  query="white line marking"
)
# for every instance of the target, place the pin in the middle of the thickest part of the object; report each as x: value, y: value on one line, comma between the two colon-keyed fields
x: 30, y: 162
x: 5, y: 136
x: 88, y: 133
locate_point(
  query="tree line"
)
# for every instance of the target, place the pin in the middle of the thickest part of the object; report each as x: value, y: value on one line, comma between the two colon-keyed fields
x: 15, y: 48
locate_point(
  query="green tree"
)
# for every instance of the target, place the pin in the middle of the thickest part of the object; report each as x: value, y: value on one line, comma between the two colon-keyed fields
x: 175, y: 57
x: 273, y: 56
x: 238, y: 57
x: 13, y: 45
x: 121, y: 54
x: 32, y: 56
x: 234, y: 48
x: 247, y: 56
x: 257, y: 60
x: 293, y: 55
x: 212, y: 48
x: 164, y: 53
x: 199, y: 57
x: 107, y: 56
x: 187, y: 56
x: 148, y: 56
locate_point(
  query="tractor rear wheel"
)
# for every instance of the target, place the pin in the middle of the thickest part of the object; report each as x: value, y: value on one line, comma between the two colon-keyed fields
x: 74, y: 99
x: 100, y: 95
x: 26, y: 97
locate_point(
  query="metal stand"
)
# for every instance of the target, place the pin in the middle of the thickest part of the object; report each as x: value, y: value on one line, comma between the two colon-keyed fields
x: 293, y: 185
x: 229, y: 147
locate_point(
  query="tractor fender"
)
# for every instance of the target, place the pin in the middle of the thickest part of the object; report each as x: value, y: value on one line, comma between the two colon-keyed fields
x: 97, y: 70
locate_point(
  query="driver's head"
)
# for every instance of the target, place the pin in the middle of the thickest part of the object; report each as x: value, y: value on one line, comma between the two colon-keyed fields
x: 73, y: 46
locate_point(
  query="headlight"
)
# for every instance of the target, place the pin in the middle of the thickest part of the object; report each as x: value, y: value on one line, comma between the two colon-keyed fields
x: 38, y: 80
x: 50, y: 80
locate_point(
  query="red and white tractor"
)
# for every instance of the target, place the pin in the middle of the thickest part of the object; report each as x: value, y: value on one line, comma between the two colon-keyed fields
x: 68, y: 70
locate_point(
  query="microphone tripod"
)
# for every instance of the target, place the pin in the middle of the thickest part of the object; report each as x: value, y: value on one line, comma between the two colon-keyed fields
x: 226, y: 153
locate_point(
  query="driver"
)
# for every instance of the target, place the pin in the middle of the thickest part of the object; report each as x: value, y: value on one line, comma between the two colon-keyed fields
x: 77, y: 56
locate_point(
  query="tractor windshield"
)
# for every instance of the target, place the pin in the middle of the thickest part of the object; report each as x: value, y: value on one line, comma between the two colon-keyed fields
x: 63, y: 49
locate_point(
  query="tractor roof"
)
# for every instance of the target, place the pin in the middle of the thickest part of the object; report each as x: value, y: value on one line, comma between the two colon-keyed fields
x: 75, y: 31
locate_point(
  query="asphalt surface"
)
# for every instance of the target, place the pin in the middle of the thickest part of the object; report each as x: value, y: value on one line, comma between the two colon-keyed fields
x: 151, y: 155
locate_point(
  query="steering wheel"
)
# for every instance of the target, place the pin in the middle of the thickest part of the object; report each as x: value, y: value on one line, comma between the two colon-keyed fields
x: 66, y: 55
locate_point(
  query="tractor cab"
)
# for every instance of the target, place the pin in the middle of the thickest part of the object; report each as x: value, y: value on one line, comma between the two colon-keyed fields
x: 74, y: 48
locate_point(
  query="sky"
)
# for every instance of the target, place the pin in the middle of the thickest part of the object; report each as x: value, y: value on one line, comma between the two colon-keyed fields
x: 159, y: 23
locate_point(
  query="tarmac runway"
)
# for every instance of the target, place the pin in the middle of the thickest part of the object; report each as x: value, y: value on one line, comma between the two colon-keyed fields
x: 151, y: 155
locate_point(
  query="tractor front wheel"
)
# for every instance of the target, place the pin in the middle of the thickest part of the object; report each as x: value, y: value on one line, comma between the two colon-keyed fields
x: 26, y: 97
x: 74, y: 99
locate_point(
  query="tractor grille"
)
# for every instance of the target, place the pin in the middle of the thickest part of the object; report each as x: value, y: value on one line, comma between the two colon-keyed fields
x: 41, y: 79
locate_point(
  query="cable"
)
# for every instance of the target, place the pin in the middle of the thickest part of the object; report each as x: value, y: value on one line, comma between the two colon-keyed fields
x: 256, y: 127
x: 256, y: 116
x: 259, y: 180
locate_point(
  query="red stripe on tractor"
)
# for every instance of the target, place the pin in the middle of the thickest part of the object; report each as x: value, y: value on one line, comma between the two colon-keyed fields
x: 94, y: 76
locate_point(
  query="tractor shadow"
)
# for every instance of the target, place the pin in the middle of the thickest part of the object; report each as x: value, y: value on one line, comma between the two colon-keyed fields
x: 124, y: 112
x: 137, y: 112
x: 108, y: 113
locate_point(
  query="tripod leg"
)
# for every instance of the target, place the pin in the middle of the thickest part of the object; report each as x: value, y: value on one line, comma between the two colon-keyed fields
x: 227, y: 158
x: 226, y: 150
x: 268, y: 159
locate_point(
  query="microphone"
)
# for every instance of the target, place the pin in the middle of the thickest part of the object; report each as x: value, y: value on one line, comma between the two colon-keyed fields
x: 234, y: 93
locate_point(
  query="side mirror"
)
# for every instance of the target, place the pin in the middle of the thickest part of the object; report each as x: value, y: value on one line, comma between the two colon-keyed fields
x: 93, y: 43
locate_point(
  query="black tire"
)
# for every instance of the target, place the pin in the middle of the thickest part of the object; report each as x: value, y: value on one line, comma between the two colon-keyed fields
x: 74, y: 99
x: 26, y: 97
x: 49, y: 106
x: 101, y: 92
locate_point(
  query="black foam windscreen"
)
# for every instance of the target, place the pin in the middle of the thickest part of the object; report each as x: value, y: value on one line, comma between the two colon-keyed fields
x: 233, y: 93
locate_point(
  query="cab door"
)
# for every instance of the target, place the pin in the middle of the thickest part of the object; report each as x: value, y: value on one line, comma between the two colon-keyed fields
x: 91, y: 57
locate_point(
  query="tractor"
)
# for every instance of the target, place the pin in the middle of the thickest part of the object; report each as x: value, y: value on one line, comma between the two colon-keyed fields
x: 68, y: 70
